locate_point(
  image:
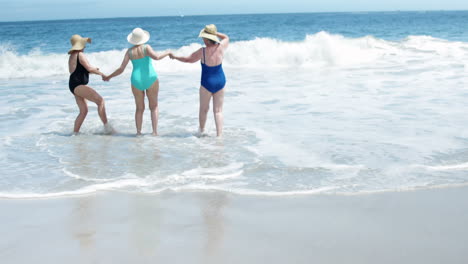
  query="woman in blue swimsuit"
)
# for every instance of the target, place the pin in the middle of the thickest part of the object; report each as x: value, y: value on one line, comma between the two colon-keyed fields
x: 212, y: 79
x: 144, y: 78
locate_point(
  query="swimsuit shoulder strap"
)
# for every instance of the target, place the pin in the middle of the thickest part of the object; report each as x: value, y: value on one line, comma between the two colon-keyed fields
x: 204, y: 59
x: 78, y: 59
x: 144, y: 50
x: 130, y: 53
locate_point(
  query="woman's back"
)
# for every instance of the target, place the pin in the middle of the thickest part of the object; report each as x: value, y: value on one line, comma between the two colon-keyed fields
x: 73, y: 61
x: 137, y: 52
x: 213, y: 55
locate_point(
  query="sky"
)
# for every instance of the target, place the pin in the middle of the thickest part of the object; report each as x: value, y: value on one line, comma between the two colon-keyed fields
x: 25, y: 10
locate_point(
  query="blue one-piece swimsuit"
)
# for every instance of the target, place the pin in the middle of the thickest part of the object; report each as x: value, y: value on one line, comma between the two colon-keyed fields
x: 212, y: 78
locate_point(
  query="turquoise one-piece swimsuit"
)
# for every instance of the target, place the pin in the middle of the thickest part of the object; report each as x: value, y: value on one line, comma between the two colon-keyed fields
x: 143, y: 74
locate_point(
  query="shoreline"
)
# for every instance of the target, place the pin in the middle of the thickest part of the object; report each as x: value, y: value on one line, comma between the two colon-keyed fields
x: 76, y: 194
x: 424, y: 226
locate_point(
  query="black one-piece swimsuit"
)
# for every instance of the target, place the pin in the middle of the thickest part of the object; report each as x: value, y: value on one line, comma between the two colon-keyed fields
x: 79, y: 77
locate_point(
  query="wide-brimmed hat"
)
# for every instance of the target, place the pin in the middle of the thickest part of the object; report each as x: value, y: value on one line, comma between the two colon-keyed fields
x: 78, y: 43
x: 138, y: 36
x: 209, y: 32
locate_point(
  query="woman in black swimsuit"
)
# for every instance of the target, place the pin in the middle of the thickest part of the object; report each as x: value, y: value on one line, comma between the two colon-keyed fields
x: 80, y: 68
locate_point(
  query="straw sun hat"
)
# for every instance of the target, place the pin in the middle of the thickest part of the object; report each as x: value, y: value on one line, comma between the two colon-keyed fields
x: 138, y: 36
x: 78, y: 43
x: 209, y: 32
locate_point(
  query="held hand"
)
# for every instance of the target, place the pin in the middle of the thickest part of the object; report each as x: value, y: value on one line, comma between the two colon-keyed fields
x: 171, y: 56
x: 96, y: 71
x: 105, y: 78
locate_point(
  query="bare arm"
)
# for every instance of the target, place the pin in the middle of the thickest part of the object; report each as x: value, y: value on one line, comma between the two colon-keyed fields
x: 154, y: 55
x: 87, y: 66
x: 119, y: 70
x: 224, y: 39
x: 194, y: 57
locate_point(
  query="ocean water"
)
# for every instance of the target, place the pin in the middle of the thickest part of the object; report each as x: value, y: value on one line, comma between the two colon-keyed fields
x: 339, y: 103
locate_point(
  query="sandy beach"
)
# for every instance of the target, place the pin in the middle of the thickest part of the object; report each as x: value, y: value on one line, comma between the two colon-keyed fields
x: 426, y: 226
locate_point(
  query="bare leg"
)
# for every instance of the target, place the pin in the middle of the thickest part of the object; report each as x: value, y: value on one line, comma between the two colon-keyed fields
x: 205, y: 97
x: 81, y: 102
x: 140, y: 108
x: 152, y: 94
x: 90, y: 94
x: 218, y: 101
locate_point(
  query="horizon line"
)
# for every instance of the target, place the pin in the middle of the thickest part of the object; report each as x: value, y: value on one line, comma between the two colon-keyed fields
x: 238, y: 14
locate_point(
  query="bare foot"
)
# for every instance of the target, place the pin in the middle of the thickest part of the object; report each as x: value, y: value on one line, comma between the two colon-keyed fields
x: 108, y: 129
x: 201, y: 133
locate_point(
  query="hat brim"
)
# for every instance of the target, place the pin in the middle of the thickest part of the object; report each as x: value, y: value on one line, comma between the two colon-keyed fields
x: 79, y: 45
x: 209, y: 36
x: 142, y: 41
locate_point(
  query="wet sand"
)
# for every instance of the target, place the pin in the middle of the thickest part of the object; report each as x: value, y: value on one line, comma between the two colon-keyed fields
x: 426, y: 226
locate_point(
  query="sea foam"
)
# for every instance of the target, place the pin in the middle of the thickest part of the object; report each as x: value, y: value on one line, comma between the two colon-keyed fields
x: 320, y: 49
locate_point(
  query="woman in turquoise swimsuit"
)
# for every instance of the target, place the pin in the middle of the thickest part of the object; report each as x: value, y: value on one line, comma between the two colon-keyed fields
x: 213, y: 79
x: 144, y: 78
